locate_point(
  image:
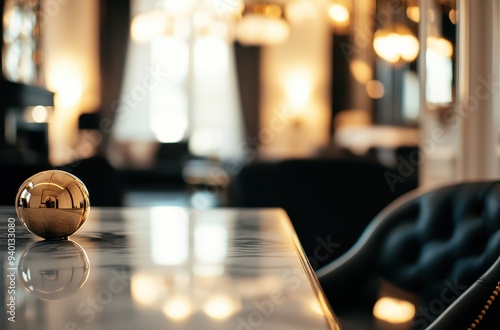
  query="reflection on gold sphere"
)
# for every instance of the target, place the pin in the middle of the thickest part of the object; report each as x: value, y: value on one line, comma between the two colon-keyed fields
x: 53, y: 204
x: 53, y: 269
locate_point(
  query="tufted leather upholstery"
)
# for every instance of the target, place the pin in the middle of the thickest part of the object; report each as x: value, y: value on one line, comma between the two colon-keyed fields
x: 424, y: 243
x: 465, y: 310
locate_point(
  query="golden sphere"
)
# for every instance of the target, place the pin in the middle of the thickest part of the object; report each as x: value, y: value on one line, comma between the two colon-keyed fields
x: 53, y: 204
x: 54, y: 269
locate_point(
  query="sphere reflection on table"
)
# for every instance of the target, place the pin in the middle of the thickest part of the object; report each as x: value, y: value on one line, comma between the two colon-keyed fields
x: 53, y: 204
x: 53, y: 270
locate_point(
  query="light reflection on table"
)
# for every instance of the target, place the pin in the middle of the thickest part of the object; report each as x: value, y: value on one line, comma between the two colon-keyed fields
x: 168, y: 267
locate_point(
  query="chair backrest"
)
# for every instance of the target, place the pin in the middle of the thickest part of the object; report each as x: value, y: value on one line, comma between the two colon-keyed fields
x: 477, y: 308
x: 433, y: 244
x: 448, y: 236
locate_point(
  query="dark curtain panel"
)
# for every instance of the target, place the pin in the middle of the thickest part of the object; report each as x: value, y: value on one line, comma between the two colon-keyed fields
x: 1, y: 34
x: 248, y: 71
x: 340, y: 91
x: 2, y: 110
x: 114, y: 32
x: 101, y: 179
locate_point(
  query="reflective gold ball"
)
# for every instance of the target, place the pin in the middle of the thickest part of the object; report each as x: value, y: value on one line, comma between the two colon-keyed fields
x: 53, y: 204
x: 54, y: 269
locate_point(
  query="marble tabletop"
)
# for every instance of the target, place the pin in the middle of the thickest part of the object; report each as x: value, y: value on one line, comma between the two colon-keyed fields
x: 161, y: 268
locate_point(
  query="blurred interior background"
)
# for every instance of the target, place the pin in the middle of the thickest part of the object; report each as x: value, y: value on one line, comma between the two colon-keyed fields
x: 311, y: 105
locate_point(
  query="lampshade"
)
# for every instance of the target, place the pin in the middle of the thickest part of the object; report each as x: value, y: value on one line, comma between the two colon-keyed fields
x: 339, y: 14
x: 413, y: 13
x: 148, y: 26
x: 396, y: 43
x: 300, y: 11
x: 262, y: 24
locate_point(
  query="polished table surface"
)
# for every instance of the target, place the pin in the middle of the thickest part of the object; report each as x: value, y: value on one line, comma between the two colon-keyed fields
x: 162, y: 268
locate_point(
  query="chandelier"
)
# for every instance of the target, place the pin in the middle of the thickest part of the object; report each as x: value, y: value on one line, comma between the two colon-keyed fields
x: 254, y: 23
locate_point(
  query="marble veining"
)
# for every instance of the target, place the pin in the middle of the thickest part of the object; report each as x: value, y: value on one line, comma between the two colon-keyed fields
x: 164, y: 268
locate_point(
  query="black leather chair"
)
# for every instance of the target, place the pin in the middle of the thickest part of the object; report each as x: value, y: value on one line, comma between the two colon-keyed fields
x: 432, y: 246
x: 477, y: 307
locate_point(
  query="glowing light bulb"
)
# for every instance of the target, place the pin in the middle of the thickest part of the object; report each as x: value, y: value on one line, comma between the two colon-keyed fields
x: 338, y: 13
